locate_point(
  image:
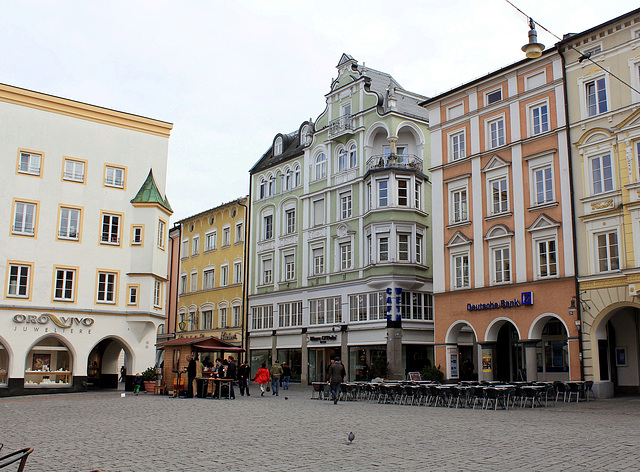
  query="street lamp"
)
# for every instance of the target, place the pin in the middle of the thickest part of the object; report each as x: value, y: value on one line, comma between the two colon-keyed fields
x: 533, y: 49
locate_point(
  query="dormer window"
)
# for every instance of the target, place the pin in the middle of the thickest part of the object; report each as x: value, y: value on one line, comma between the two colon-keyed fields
x: 277, y: 147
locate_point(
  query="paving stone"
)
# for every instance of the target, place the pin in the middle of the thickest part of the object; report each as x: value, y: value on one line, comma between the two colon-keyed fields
x: 102, y: 430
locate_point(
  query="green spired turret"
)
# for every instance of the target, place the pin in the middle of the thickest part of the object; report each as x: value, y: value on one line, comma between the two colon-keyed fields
x: 150, y: 195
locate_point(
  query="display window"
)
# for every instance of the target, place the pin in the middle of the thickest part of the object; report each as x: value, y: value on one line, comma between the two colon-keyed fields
x: 48, y: 365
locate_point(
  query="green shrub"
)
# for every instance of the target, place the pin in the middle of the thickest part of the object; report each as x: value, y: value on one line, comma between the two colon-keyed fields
x: 150, y: 375
x: 432, y: 373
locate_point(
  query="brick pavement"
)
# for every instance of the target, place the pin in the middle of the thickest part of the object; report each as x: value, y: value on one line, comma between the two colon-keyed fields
x: 101, y: 430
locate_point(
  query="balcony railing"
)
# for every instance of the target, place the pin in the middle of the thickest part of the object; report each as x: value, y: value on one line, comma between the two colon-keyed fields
x: 341, y: 125
x: 403, y: 161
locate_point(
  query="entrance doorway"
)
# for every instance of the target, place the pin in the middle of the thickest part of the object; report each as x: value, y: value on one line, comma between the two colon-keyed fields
x: 618, y: 356
x: 319, y: 360
x: 105, y: 365
x: 510, y: 360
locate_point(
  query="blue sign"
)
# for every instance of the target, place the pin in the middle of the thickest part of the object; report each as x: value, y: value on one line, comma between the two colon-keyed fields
x: 527, y: 298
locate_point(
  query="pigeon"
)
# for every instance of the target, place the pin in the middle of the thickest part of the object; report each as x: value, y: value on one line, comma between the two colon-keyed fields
x: 351, y: 437
x: 286, y: 398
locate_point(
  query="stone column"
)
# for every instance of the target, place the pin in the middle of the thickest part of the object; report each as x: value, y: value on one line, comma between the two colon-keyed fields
x: 486, y: 349
x: 531, y: 360
x: 344, y: 349
x: 394, y: 351
x: 304, y: 364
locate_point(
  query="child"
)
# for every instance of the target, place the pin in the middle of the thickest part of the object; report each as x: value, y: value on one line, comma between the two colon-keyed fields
x: 137, y: 383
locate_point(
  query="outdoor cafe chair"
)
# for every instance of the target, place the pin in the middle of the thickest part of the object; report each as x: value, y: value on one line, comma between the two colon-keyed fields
x: 425, y: 395
x: 438, y: 395
x: 477, y: 396
x: 326, y: 392
x: 20, y: 456
x: 531, y: 394
x: 560, y: 388
x: 588, y: 389
x: 385, y: 393
x: 496, y: 397
x: 574, y: 389
x: 453, y: 395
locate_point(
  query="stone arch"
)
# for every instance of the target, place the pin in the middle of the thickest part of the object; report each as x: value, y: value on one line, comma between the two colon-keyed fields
x: 491, y: 334
x: 537, y: 325
x: 454, y: 331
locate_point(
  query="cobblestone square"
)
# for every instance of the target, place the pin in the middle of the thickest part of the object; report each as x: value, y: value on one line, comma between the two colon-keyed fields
x: 102, y: 430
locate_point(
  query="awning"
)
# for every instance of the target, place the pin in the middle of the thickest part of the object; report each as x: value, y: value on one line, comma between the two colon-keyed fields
x: 208, y: 343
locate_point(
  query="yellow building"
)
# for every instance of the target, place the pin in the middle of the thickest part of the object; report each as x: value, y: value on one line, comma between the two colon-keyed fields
x: 210, y: 284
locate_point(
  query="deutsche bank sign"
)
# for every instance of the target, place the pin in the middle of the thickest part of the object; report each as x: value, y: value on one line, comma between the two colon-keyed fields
x: 526, y: 298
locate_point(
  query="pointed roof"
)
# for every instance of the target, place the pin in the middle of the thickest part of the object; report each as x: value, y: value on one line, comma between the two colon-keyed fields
x: 344, y: 59
x: 150, y: 195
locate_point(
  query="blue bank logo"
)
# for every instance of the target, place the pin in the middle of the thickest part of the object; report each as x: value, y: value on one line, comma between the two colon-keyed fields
x: 526, y: 298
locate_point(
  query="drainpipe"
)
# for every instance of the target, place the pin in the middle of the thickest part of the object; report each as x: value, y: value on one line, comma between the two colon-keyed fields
x: 573, y: 209
x: 245, y: 303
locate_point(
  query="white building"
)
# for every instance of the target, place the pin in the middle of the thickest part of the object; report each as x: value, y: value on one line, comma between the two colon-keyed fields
x: 83, y: 255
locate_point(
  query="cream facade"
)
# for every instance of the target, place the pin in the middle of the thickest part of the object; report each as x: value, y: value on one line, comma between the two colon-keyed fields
x: 83, y: 261
x: 605, y: 153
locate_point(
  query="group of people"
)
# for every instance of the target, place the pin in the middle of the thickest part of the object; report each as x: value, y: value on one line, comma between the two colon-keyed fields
x: 277, y: 374
x: 228, y: 369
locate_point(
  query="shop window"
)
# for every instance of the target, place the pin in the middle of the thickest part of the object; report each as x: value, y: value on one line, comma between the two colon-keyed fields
x: 48, y: 365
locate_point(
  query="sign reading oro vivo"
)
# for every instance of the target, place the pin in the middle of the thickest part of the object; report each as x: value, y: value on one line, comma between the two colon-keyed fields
x: 526, y: 298
x: 61, y: 322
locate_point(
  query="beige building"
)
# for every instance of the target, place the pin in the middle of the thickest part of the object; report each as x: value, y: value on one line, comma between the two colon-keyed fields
x: 604, y: 117
x: 210, y: 278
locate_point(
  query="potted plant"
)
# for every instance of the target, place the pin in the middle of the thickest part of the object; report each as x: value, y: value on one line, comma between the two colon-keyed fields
x: 149, y: 377
x: 432, y: 373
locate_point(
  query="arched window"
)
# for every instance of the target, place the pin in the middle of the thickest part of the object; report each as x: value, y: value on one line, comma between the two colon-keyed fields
x: 297, y: 179
x: 271, y: 187
x: 321, y: 166
x: 353, y: 155
x: 342, y: 160
x: 277, y: 147
x: 263, y: 188
x: 287, y: 180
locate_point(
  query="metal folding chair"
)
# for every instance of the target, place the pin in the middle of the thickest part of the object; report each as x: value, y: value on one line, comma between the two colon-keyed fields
x: 20, y: 456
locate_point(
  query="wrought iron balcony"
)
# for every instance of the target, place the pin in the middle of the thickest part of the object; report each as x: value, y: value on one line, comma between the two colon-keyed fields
x: 402, y: 161
x: 341, y: 125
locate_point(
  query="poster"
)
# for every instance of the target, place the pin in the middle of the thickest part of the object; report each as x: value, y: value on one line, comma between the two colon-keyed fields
x: 486, y: 362
x: 41, y: 362
x: 454, y: 365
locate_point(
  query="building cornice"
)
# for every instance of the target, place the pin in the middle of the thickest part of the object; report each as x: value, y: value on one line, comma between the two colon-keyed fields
x: 83, y: 111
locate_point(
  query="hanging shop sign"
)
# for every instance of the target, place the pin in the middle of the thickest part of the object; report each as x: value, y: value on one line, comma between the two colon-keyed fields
x: 389, y: 300
x: 526, y: 298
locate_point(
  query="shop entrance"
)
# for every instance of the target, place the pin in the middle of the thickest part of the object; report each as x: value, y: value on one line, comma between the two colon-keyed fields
x: 618, y: 355
x: 510, y: 360
x: 319, y: 360
x: 106, y: 364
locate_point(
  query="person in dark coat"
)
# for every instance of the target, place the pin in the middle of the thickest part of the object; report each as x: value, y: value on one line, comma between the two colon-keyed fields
x: 191, y: 376
x: 337, y: 373
x: 244, y: 373
x: 231, y: 374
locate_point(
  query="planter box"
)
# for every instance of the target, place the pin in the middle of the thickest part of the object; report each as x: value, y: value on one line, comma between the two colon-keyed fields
x: 148, y: 386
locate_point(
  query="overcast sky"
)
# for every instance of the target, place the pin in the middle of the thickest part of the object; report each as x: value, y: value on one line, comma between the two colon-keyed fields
x: 230, y: 75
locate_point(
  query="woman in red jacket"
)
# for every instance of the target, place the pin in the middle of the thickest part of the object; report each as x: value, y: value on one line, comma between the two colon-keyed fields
x: 262, y: 378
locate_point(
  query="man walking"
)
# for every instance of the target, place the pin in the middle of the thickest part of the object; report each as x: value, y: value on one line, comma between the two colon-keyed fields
x: 276, y: 373
x: 231, y: 374
x: 337, y: 373
x: 191, y: 375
